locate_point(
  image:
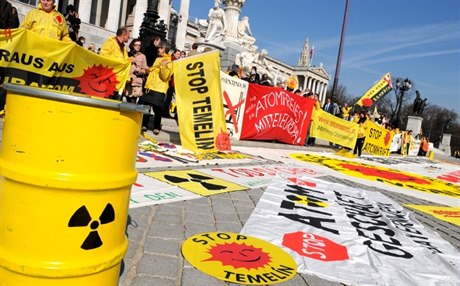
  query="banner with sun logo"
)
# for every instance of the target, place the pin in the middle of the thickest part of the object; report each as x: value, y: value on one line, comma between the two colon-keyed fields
x: 449, y: 214
x: 65, y: 67
x: 351, y: 236
x: 199, y: 103
x: 376, y: 92
x: 426, y: 188
x: 378, y: 140
x: 238, y: 258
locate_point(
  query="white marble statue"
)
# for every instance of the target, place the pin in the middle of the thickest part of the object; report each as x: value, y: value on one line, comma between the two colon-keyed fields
x: 244, y: 32
x: 216, y: 23
x: 264, y: 66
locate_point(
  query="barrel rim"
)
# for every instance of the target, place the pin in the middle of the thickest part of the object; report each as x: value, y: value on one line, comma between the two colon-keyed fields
x: 69, y: 98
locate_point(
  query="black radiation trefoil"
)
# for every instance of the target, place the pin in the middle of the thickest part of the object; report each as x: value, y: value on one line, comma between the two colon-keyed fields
x: 197, y: 179
x: 82, y: 218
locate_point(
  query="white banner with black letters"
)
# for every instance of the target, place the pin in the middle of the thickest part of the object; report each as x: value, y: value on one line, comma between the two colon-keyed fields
x: 351, y: 236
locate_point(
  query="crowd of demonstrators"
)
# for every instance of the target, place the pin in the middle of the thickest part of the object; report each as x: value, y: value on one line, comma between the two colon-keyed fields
x: 134, y: 88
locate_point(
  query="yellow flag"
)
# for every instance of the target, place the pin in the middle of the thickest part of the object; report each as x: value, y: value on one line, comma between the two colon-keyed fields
x: 377, y: 91
x: 199, y: 103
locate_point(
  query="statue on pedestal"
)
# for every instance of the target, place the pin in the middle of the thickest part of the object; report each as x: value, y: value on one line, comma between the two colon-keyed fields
x: 417, y: 103
x: 244, y: 32
x: 216, y: 23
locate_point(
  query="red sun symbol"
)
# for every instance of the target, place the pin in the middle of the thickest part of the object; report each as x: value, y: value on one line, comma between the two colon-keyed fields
x: 98, y: 81
x: 239, y: 255
x: 223, y: 141
x: 384, y: 174
x: 386, y: 140
x: 367, y: 102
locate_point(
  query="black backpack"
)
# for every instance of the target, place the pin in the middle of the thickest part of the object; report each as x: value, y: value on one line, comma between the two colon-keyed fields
x: 8, y: 15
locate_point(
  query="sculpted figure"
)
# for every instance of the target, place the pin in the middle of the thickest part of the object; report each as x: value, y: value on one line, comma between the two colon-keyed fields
x: 262, y: 62
x: 244, y: 32
x: 417, y: 103
x: 217, y: 24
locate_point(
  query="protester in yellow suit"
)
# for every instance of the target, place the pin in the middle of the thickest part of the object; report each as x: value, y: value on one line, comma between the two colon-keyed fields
x: 114, y: 47
x: 156, y: 86
x: 46, y: 21
x: 345, y: 110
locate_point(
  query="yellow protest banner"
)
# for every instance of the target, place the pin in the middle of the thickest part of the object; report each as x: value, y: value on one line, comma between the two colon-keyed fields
x: 199, y: 103
x: 32, y: 60
x: 449, y: 214
x: 333, y: 129
x: 378, y: 139
x: 377, y: 91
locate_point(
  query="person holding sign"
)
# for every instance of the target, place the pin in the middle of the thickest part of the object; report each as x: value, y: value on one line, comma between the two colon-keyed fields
x: 156, y: 86
x: 46, y: 21
x: 361, y: 136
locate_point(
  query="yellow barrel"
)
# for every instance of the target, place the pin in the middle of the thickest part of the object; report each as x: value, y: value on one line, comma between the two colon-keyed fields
x: 67, y: 164
x: 431, y: 154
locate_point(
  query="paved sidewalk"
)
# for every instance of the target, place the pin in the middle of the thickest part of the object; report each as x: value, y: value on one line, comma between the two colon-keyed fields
x: 156, y: 233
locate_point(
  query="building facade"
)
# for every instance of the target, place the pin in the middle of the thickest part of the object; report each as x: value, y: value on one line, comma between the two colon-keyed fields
x: 101, y: 18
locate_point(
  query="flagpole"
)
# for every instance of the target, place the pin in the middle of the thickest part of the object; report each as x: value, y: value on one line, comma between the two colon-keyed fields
x: 339, y: 57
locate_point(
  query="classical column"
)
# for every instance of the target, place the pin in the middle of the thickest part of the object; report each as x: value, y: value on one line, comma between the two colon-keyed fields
x: 232, y: 10
x: 182, y: 26
x: 124, y: 7
x: 305, y: 82
x: 84, y: 10
x: 164, y: 11
x: 139, y: 10
x: 324, y: 92
x: 98, y: 13
x: 113, y: 21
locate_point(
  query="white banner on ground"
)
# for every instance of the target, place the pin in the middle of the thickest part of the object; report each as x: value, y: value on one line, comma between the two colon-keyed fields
x: 147, y: 191
x: 351, y: 236
x: 261, y: 175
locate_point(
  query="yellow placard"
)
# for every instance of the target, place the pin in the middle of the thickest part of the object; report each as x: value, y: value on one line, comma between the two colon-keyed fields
x: 67, y: 67
x: 333, y: 129
x: 239, y: 258
x: 383, y: 175
x: 199, y: 103
x: 196, y: 182
x: 377, y: 91
x: 449, y: 214
x: 378, y: 139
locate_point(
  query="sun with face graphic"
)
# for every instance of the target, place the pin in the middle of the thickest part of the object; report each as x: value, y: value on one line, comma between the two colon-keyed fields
x: 239, y: 255
x: 98, y: 81
x: 239, y: 258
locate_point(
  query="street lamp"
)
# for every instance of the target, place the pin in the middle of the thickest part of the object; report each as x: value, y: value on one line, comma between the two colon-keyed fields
x: 152, y: 25
x: 401, y: 87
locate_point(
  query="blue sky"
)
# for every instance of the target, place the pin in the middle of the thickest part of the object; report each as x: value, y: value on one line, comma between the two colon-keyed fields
x: 417, y: 39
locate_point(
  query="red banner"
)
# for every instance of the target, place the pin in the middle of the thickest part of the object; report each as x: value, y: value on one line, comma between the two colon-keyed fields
x: 273, y: 113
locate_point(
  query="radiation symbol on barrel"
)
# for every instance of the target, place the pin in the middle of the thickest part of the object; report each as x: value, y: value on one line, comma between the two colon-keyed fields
x: 238, y: 258
x: 82, y: 218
